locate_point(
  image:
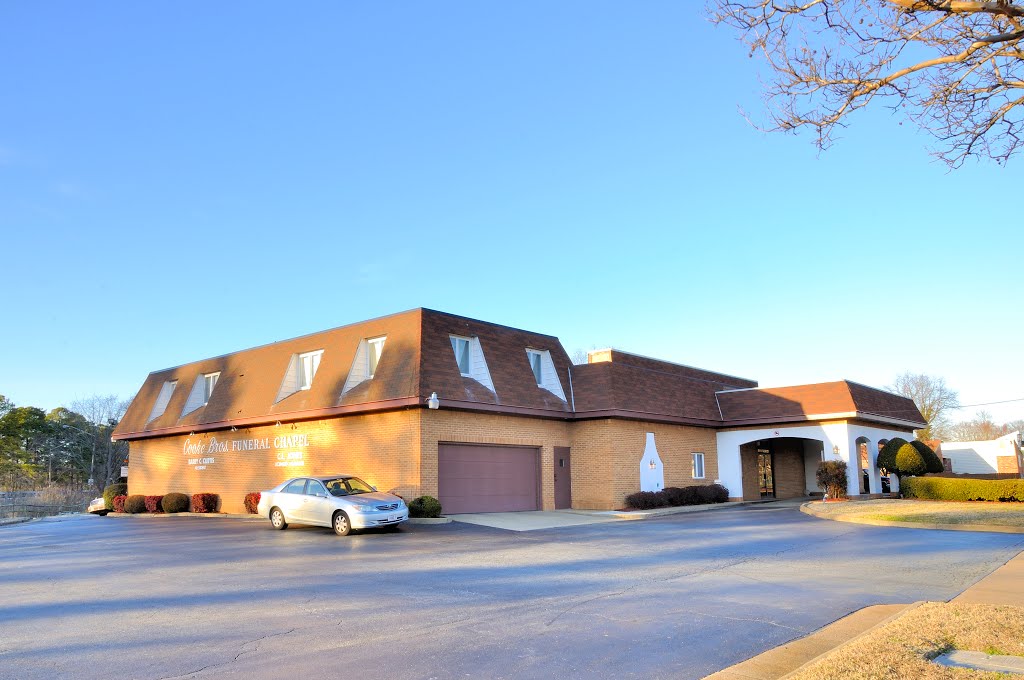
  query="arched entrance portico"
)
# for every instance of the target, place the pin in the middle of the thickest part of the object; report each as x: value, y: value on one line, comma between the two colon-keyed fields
x: 779, y: 467
x: 793, y: 453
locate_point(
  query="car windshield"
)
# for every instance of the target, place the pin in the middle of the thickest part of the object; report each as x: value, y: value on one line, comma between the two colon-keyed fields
x: 344, y: 486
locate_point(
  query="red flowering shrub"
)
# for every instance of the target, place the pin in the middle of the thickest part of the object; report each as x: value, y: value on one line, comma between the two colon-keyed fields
x: 119, y: 503
x: 204, y: 502
x: 251, y: 501
x: 153, y: 503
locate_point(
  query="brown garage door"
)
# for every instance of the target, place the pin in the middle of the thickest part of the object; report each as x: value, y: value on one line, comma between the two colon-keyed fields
x: 482, y: 478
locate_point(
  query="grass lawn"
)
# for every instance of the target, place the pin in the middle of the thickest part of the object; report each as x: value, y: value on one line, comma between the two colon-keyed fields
x: 934, y: 512
x: 904, y: 647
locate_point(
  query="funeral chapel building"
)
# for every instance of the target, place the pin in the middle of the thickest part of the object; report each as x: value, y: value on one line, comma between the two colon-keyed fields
x: 490, y: 418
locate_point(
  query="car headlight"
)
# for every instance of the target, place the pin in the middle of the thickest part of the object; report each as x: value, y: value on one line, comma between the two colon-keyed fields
x: 364, y: 508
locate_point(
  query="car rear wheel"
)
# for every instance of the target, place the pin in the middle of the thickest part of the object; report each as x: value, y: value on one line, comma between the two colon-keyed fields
x: 277, y: 519
x: 342, y: 527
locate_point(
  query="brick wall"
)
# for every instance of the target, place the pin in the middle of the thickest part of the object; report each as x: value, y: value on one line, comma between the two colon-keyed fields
x: 475, y: 428
x: 382, y: 448
x: 397, y: 452
x: 606, y: 459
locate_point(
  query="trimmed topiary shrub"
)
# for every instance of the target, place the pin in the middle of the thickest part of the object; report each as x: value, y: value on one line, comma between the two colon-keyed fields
x: 932, y: 462
x: 204, y: 502
x: 951, y: 489
x: 118, y: 503
x: 135, y: 504
x: 251, y: 501
x: 112, y: 490
x: 887, y: 456
x: 831, y: 476
x: 425, y: 506
x: 646, y: 500
x: 174, y: 502
x: 153, y: 503
x: 910, y: 462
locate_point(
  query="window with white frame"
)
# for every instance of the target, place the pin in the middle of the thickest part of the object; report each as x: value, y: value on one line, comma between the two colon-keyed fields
x: 162, y: 399
x: 698, y: 466
x: 308, y: 363
x: 209, y: 382
x: 461, y: 347
x: 374, y: 347
x: 536, y: 365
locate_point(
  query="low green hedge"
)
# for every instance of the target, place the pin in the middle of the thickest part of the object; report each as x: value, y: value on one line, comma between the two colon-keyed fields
x: 946, y: 489
x: 425, y: 506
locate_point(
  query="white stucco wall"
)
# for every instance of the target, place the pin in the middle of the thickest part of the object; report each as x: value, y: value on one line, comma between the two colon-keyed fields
x: 979, y: 457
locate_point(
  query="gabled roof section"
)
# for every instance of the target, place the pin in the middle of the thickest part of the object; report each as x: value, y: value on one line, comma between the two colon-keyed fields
x: 617, y: 383
x: 816, y: 401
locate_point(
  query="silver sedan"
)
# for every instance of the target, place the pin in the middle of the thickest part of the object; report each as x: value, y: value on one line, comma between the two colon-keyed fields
x: 342, y: 502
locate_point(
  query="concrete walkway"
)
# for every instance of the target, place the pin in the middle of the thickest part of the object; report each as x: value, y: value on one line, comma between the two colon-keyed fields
x: 1004, y: 586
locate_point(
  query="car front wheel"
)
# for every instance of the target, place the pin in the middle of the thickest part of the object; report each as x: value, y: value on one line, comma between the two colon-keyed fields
x: 342, y: 527
x: 277, y: 519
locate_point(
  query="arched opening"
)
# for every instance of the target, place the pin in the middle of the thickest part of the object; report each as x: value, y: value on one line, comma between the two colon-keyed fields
x: 865, y: 462
x: 780, y: 467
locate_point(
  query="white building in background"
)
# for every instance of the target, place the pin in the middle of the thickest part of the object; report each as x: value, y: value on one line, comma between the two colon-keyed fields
x: 1001, y: 455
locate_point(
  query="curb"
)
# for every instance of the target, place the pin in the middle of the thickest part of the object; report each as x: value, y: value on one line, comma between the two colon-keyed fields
x: 243, y: 518
x: 14, y: 520
x: 661, y: 512
x: 808, y: 509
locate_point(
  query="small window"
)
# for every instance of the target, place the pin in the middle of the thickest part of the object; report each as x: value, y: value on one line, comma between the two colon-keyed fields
x: 314, y: 488
x: 535, y: 365
x: 298, y: 486
x: 308, y: 363
x: 374, y: 347
x: 461, y: 347
x: 209, y: 382
x: 698, y: 466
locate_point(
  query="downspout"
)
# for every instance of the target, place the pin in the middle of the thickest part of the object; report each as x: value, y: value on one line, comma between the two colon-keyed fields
x: 572, y: 395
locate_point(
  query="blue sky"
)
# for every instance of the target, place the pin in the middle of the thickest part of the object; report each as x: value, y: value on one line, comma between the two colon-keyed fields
x: 180, y: 181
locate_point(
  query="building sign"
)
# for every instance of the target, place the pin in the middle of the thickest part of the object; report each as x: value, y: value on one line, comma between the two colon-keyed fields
x: 288, y: 448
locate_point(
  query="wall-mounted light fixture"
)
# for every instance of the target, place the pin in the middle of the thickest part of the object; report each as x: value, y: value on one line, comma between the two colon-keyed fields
x: 277, y: 424
x: 654, y: 466
x: 433, y: 403
x: 191, y: 434
x: 234, y: 429
x: 835, y: 449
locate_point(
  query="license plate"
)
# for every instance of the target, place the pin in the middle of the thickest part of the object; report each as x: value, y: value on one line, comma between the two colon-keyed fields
x: 392, y: 518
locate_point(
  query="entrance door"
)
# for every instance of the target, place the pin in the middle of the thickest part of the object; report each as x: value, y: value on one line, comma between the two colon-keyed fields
x: 764, y: 473
x: 563, y: 478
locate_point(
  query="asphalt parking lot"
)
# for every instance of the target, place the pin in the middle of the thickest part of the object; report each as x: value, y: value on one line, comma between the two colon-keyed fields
x: 678, y: 596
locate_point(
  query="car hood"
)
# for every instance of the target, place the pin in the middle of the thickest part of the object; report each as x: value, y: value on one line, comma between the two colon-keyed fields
x: 376, y: 498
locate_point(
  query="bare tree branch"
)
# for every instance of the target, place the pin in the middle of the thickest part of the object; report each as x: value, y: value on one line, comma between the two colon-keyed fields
x: 953, y: 67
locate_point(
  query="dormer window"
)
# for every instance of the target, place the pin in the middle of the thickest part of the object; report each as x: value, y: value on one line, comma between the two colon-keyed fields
x: 162, y: 399
x: 202, y: 390
x: 308, y: 363
x: 209, y: 382
x: 544, y: 371
x: 364, y: 365
x: 469, y: 357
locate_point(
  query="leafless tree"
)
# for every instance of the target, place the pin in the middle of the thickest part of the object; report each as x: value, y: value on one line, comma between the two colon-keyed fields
x: 982, y: 428
x: 954, y: 67
x: 104, y: 412
x: 933, y: 399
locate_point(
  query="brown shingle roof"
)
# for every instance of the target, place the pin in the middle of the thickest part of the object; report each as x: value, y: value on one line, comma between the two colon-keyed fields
x: 629, y: 385
x: 417, y: 359
x: 801, y: 402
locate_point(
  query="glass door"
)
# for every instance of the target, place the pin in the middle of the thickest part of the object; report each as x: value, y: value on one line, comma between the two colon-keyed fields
x: 764, y: 472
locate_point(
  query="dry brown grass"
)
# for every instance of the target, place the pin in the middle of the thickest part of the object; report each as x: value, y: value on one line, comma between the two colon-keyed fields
x: 904, y: 647
x: 935, y: 512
